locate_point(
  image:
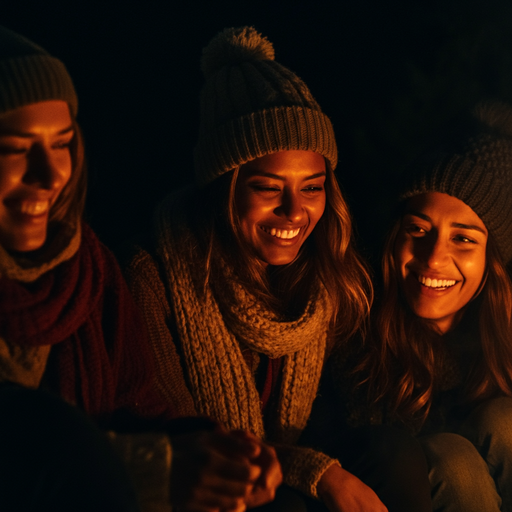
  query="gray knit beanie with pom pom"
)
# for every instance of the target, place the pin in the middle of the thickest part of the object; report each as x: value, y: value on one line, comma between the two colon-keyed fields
x: 475, y: 167
x: 29, y: 74
x: 252, y: 106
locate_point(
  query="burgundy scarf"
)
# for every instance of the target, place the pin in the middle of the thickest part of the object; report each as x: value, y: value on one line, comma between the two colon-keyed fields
x: 101, y: 359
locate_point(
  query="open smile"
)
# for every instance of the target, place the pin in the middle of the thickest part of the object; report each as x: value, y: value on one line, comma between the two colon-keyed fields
x: 285, y: 234
x: 436, y: 284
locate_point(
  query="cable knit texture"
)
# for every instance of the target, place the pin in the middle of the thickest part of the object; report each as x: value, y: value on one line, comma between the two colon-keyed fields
x: 100, y: 357
x: 477, y: 169
x: 214, y: 327
x: 252, y: 106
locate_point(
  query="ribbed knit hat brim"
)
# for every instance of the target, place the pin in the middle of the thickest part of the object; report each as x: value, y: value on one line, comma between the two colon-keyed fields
x: 29, y: 74
x: 480, y: 175
x: 261, y: 133
x: 34, y: 78
x: 252, y: 106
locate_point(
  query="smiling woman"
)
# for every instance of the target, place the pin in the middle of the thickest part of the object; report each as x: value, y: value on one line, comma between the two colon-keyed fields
x: 440, y: 250
x: 444, y: 325
x: 35, y: 166
x: 280, y: 198
x: 250, y: 279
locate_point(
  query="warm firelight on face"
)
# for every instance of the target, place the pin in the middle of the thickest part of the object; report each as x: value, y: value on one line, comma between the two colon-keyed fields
x: 441, y: 253
x: 279, y: 199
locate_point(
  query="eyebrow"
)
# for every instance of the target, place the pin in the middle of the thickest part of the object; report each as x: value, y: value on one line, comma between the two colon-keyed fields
x: 28, y: 135
x: 282, y: 178
x: 453, y: 224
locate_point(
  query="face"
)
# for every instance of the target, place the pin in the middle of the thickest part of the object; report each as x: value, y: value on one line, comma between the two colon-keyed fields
x: 35, y: 165
x: 280, y: 198
x: 440, y: 251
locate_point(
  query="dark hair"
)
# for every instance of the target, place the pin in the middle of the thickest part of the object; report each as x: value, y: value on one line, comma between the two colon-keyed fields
x: 402, y: 367
x: 70, y: 204
x: 328, y: 254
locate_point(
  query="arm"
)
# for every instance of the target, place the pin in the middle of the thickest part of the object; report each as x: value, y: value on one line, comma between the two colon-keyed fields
x: 208, y: 467
x: 149, y: 294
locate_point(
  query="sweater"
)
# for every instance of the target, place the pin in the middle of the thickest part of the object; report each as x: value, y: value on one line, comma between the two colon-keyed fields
x: 182, y: 328
x: 73, y: 327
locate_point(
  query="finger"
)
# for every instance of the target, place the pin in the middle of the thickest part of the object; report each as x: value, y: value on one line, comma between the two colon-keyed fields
x: 241, y: 470
x: 237, y: 443
x: 271, y: 473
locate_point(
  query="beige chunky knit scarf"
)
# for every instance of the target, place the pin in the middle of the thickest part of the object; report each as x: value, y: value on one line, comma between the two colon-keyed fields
x: 213, y: 329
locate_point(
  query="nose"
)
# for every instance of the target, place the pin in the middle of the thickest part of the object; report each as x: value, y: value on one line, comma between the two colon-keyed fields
x: 435, y: 253
x: 42, y: 169
x: 291, y: 206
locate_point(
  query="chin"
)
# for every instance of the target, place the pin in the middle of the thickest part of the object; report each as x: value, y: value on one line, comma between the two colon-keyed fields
x: 24, y: 244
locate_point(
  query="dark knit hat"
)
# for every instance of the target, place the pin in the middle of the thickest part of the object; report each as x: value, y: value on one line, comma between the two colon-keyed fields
x: 29, y: 74
x: 252, y: 106
x: 475, y: 166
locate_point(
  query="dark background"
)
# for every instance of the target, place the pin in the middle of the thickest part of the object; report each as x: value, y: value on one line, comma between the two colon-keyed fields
x: 387, y: 73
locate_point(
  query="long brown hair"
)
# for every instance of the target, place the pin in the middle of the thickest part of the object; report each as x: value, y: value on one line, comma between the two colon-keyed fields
x: 328, y: 254
x: 70, y: 204
x: 402, y: 368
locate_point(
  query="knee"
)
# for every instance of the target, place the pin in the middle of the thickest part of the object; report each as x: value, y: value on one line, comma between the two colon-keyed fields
x: 493, y: 415
x: 454, y: 463
x: 490, y: 424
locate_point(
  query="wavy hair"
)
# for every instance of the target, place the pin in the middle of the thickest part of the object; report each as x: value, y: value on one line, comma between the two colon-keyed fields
x: 70, y: 204
x: 328, y: 254
x: 402, y: 367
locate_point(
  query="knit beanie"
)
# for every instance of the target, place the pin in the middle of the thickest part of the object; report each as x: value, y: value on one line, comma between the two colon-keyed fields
x: 252, y: 106
x: 475, y: 166
x: 28, y: 74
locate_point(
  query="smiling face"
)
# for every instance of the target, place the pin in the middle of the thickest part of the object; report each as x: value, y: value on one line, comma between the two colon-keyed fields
x: 279, y: 200
x: 440, y: 252
x: 35, y: 165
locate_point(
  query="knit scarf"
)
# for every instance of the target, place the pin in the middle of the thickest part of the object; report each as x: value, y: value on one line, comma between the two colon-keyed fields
x: 83, y: 309
x: 215, y: 326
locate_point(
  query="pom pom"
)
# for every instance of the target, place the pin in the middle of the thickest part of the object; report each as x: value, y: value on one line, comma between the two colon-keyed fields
x: 495, y: 116
x: 233, y: 46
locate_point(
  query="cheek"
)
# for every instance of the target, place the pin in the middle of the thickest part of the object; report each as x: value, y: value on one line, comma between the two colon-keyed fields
x: 66, y: 168
x: 317, y: 210
x: 474, y: 270
x: 10, y: 175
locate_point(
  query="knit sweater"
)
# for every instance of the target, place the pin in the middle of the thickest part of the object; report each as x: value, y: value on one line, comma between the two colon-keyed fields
x: 188, y: 361
x: 74, y: 328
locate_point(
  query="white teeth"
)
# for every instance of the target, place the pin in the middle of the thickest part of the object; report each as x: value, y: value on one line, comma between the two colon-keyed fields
x: 282, y: 233
x: 436, y: 283
x: 34, y: 207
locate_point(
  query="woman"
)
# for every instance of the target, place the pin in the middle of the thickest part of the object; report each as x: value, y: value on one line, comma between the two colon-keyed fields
x: 68, y: 325
x: 444, y: 325
x: 251, y: 276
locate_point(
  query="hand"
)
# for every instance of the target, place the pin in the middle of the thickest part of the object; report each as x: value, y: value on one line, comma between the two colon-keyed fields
x: 213, y: 471
x: 271, y: 476
x: 341, y: 491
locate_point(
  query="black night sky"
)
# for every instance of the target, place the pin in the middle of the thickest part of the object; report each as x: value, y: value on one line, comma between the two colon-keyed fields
x: 388, y: 73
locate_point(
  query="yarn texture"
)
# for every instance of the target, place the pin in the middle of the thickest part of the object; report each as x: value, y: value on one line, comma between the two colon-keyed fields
x: 252, y: 106
x: 477, y: 169
x: 212, y: 331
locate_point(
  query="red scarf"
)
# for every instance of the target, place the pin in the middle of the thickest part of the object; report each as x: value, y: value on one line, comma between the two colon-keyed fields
x: 101, y: 359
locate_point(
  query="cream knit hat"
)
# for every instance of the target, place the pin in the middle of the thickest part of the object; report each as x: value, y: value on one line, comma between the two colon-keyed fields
x: 252, y: 106
x: 29, y: 74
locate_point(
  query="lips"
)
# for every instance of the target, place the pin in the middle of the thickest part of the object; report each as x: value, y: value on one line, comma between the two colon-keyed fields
x: 28, y: 208
x: 284, y: 234
x: 436, y: 283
